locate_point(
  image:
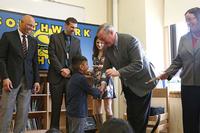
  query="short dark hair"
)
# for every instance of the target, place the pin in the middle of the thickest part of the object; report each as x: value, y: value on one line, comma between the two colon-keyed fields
x: 71, y: 19
x: 195, y: 11
x: 116, y: 125
x: 77, y: 61
x: 53, y: 130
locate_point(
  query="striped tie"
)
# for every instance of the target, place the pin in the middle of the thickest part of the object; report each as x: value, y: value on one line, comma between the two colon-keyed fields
x: 24, y: 45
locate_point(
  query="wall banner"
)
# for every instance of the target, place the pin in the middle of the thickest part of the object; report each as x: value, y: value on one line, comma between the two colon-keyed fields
x: 44, y: 28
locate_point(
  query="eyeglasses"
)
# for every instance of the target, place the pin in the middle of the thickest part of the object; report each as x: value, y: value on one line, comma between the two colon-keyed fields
x: 190, y: 18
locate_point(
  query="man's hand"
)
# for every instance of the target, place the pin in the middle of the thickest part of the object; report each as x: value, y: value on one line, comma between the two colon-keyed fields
x: 65, y: 72
x: 112, y: 73
x: 36, y: 88
x: 7, y: 85
x: 163, y: 76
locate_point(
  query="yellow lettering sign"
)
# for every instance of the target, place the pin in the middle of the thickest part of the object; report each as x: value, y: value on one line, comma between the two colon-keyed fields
x: 0, y: 20
x: 56, y: 28
x: 44, y: 28
x: 41, y: 60
x: 10, y: 22
x: 86, y: 33
x: 77, y: 32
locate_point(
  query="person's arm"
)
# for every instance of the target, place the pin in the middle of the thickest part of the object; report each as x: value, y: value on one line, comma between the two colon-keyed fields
x: 86, y: 87
x: 173, y: 68
x: 36, y: 86
x: 3, y: 56
x: 6, y: 82
x: 104, y: 77
x: 35, y: 63
x: 177, y: 63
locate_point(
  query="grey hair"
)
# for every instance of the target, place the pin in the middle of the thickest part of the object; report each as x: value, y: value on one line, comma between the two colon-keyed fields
x: 106, y: 27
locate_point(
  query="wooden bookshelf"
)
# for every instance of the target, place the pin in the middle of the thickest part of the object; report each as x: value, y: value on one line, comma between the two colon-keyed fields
x: 38, y: 110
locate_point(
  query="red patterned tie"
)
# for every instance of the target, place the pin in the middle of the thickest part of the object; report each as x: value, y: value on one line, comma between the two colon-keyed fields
x: 24, y: 45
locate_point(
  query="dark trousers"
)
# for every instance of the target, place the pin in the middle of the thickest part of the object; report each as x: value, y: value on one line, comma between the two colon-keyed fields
x: 76, y: 125
x: 57, y: 91
x: 137, y: 110
x: 190, y: 96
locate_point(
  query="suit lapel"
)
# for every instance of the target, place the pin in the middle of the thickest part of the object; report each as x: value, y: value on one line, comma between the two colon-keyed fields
x: 72, y: 46
x: 116, y: 53
x: 197, y: 48
x: 62, y: 40
x: 18, y: 45
x: 188, y: 44
x: 120, y: 42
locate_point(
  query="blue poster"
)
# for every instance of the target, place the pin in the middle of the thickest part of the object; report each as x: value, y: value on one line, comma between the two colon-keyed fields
x: 44, y: 28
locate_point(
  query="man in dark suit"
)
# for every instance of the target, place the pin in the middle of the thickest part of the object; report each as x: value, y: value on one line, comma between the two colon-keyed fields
x: 62, y: 47
x: 19, y: 73
x: 124, y: 52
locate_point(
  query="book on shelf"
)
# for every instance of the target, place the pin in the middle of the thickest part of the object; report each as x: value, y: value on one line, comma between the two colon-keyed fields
x: 33, y: 105
x: 37, y: 104
x: 34, y: 124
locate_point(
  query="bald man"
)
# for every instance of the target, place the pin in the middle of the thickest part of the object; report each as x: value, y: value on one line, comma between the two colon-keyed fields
x: 19, y: 73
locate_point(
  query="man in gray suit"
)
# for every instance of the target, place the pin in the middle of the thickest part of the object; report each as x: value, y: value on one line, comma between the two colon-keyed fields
x: 62, y: 48
x: 125, y: 53
x: 19, y: 73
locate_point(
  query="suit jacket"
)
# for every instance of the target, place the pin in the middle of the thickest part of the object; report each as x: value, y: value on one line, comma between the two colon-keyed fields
x: 187, y: 59
x: 58, y: 55
x: 13, y: 64
x: 132, y: 65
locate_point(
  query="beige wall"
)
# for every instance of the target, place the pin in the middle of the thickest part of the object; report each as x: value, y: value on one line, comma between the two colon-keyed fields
x: 154, y: 14
x: 132, y: 18
x: 175, y: 9
x: 95, y: 10
x: 43, y: 8
x: 88, y: 11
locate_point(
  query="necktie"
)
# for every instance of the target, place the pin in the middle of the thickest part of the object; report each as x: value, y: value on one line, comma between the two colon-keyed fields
x: 68, y: 43
x: 116, y: 52
x: 67, y: 49
x: 68, y: 40
x: 24, y: 45
x: 116, y: 55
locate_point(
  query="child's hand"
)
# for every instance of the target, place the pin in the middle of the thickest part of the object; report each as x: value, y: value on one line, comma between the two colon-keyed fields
x: 102, y: 88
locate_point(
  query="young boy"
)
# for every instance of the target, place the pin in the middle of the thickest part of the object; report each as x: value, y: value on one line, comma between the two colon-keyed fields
x: 78, y: 89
